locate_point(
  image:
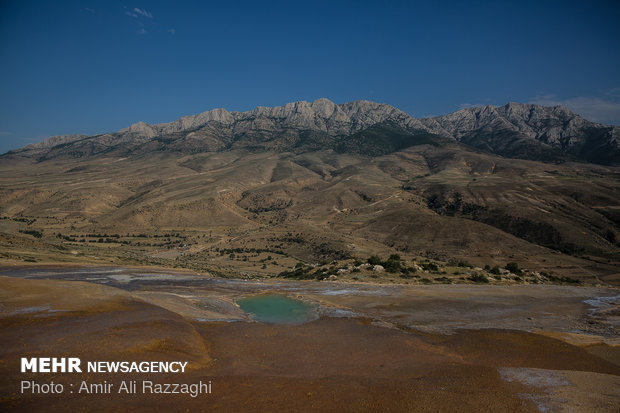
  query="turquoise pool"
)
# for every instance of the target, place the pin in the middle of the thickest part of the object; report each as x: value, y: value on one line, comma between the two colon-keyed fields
x: 277, y: 309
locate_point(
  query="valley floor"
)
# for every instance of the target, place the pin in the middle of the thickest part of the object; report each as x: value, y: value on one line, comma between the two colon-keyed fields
x: 373, y: 347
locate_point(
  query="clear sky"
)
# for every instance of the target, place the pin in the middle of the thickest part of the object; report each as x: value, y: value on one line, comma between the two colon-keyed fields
x: 98, y: 66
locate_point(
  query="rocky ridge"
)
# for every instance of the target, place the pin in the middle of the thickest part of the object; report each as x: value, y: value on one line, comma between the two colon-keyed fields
x: 531, y: 131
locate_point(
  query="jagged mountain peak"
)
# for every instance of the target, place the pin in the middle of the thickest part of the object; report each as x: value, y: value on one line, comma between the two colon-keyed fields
x: 183, y: 123
x: 525, y: 110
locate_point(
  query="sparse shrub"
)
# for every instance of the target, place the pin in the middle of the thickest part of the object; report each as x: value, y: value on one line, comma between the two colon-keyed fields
x: 374, y: 260
x: 392, y: 266
x: 478, y: 278
x: 430, y: 266
x: 495, y: 270
x: 513, y: 267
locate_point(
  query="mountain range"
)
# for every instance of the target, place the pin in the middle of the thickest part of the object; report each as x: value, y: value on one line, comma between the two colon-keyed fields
x: 515, y: 130
x: 258, y: 192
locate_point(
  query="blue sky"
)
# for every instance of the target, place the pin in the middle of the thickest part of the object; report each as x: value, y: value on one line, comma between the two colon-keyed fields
x: 97, y: 66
